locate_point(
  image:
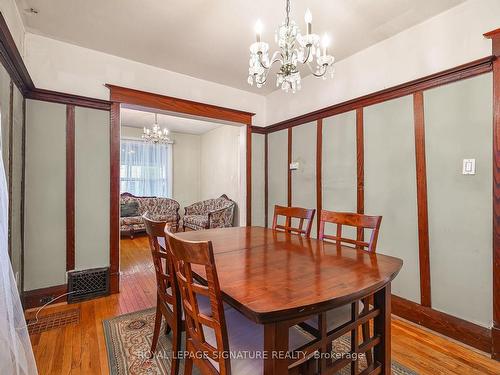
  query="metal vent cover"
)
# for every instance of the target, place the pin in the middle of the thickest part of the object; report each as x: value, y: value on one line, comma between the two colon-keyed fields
x: 52, y: 321
x: 88, y: 284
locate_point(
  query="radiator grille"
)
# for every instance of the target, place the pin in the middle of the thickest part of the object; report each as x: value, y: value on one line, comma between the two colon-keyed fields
x: 88, y: 284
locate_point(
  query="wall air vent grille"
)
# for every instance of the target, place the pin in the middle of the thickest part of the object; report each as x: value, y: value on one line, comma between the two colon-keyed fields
x: 88, y: 284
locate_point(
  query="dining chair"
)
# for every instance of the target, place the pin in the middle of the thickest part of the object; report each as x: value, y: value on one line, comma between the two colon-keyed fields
x: 291, y: 213
x: 360, y: 222
x: 168, y: 304
x: 220, y: 331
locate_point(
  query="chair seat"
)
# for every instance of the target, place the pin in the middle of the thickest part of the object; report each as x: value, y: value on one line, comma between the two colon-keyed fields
x: 198, y: 221
x: 246, y: 339
x: 134, y: 220
x: 336, y: 317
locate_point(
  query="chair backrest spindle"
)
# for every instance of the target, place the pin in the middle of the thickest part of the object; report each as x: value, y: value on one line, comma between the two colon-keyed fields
x: 302, y: 214
x: 350, y: 219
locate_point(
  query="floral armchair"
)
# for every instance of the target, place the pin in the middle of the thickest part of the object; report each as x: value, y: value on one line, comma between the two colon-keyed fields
x: 159, y: 209
x: 211, y: 213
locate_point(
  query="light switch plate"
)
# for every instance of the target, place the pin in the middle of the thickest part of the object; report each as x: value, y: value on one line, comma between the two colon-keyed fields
x: 294, y: 165
x: 469, y: 166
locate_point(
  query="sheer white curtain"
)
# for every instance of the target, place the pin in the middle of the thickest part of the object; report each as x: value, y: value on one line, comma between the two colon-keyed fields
x: 146, y: 168
x: 16, y: 355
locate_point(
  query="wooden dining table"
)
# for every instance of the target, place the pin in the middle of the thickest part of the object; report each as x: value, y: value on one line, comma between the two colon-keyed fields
x: 279, y: 280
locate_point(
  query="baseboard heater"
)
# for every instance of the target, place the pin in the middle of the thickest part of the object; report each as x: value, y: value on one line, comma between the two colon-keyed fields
x: 88, y: 284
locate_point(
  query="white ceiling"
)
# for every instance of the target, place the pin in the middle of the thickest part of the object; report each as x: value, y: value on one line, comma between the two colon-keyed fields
x: 140, y: 119
x: 209, y: 39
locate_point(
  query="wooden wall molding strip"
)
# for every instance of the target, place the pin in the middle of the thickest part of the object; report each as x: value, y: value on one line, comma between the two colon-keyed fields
x: 448, y: 325
x: 421, y: 177
x: 496, y: 210
x: 259, y: 129
x: 23, y: 190
x: 249, y: 174
x: 494, y: 35
x: 114, y: 195
x: 495, y: 331
x: 70, y: 187
x: 36, y: 298
x: 69, y: 99
x: 10, y: 166
x: 460, y: 72
x: 289, y: 172
x: 12, y: 59
x: 319, y: 172
x: 140, y: 99
x: 360, y: 173
x: 266, y: 180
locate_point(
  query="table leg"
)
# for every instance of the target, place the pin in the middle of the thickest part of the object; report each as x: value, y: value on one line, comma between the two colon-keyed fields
x: 382, y: 327
x: 275, y: 346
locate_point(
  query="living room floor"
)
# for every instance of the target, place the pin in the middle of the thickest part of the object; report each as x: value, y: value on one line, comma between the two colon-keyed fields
x: 80, y: 348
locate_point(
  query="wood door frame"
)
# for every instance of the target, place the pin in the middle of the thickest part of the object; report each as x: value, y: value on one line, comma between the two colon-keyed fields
x: 136, y: 99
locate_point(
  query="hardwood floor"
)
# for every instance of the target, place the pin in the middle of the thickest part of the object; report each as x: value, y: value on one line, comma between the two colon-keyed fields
x: 80, y: 348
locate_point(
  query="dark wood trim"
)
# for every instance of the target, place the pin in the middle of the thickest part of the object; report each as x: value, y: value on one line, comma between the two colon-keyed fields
x: 68, y: 99
x: 23, y: 190
x: 266, y: 180
x: 249, y: 174
x: 70, y: 187
x: 460, y: 72
x: 38, y: 297
x: 496, y: 207
x: 448, y: 325
x: 495, y: 37
x: 12, y: 59
x: 10, y: 166
x: 114, y: 195
x: 259, y: 130
x: 360, y: 173
x: 319, y: 171
x: 289, y: 172
x: 495, y: 343
x: 492, y: 34
x: 140, y: 99
x: 423, y: 225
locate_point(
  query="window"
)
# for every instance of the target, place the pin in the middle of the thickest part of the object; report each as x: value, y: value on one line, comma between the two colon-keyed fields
x: 146, y: 168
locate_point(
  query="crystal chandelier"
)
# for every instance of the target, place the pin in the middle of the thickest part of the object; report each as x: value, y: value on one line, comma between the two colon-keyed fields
x: 155, y: 134
x: 294, y: 49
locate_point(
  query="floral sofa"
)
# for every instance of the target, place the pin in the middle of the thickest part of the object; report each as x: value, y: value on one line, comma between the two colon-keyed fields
x: 211, y: 213
x: 159, y: 209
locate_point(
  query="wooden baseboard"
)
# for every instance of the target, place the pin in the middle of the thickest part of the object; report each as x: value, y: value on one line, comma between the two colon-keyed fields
x: 39, y: 297
x: 114, y: 283
x: 458, y: 329
x: 495, y: 343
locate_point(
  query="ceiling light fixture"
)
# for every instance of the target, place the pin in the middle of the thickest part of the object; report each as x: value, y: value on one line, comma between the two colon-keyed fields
x: 155, y: 134
x: 295, y: 49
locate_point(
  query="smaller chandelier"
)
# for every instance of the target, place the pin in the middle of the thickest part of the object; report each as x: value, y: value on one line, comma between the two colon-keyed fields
x: 295, y: 49
x: 155, y: 134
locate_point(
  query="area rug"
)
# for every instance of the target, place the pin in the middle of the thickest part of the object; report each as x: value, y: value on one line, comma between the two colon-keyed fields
x: 128, y: 341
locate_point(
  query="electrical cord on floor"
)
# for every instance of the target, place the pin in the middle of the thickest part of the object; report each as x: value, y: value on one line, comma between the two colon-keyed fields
x: 44, y: 306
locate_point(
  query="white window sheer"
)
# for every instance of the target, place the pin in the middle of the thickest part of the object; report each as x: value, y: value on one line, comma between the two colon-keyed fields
x: 146, y: 168
x: 16, y: 355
